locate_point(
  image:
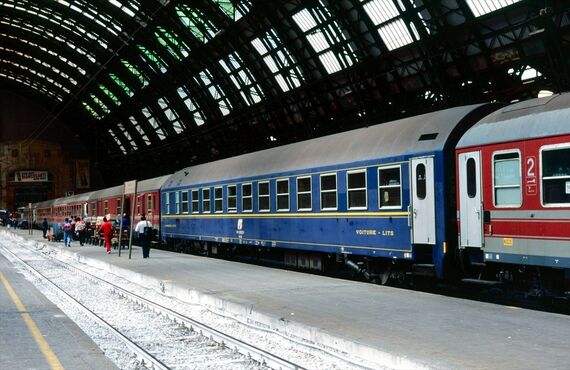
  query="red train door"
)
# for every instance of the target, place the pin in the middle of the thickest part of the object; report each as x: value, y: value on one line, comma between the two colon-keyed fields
x: 470, y: 206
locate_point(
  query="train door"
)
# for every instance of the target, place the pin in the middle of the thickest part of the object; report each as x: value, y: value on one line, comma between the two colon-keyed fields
x: 470, y: 212
x: 422, y: 200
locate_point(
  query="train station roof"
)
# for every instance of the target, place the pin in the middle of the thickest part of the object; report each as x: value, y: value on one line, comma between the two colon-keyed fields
x: 174, y: 83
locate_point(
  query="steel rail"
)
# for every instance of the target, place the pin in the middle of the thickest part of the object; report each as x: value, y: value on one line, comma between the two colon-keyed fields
x: 143, y: 355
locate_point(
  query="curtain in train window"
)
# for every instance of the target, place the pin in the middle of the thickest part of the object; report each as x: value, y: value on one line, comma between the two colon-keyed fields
x: 507, y: 179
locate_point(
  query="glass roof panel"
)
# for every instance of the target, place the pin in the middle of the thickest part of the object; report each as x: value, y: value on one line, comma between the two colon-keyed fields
x: 90, y: 110
x: 36, y: 73
x: 326, y: 36
x: 482, y: 7
x: 118, y: 142
x: 172, y: 43
x: 171, y: 115
x: 235, y: 9
x: 154, y: 123
x: 157, y: 64
x: 129, y: 9
x: 280, y: 62
x: 140, y: 130
x: 200, y: 26
x: 101, y: 105
x: 32, y: 83
x: 110, y: 94
x: 215, y: 91
x: 391, y: 27
x: 242, y: 78
x: 192, y: 106
x: 121, y: 84
x: 130, y: 140
x: 131, y: 68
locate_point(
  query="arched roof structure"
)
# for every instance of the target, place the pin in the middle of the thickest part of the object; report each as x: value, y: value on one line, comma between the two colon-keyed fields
x: 171, y: 83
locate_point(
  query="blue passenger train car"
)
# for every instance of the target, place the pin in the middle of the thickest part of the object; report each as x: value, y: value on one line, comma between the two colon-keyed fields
x: 378, y: 197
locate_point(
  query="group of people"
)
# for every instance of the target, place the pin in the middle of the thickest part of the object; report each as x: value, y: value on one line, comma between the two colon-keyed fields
x: 77, y: 226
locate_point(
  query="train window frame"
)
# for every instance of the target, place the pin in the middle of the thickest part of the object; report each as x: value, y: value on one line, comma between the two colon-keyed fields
x: 167, y: 203
x: 495, y: 187
x: 149, y: 204
x: 546, y: 148
x: 206, y: 200
x: 105, y: 207
x: 335, y: 190
x: 259, y: 196
x: 138, y: 205
x: 365, y: 188
x: 250, y: 197
x: 195, y: 199
x: 185, y: 203
x: 279, y: 195
x: 218, y: 200
x: 393, y: 186
x: 177, y: 202
x: 305, y: 192
x: 119, y: 208
x: 232, y: 197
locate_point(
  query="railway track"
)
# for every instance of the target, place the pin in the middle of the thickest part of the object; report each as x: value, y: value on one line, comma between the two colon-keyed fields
x: 257, y: 357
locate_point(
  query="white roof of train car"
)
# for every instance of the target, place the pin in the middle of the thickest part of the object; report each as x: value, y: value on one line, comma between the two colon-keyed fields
x: 533, y: 118
x: 385, y: 140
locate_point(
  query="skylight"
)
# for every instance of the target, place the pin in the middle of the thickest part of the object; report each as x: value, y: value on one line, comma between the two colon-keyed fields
x: 279, y: 61
x: 200, y: 26
x: 327, y: 38
x: 242, y: 78
x: 118, y: 142
x: 482, y: 7
x: 110, y: 94
x: 90, y: 110
x: 121, y: 84
x: 236, y: 11
x: 192, y: 106
x: 172, y: 43
x: 130, y: 140
x: 171, y: 115
x: 155, y: 62
x: 142, y: 79
x: 215, y: 91
x: 32, y: 83
x: 140, y: 130
x: 154, y: 123
x: 101, y: 105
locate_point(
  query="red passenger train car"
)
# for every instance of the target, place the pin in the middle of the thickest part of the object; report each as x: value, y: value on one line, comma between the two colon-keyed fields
x: 513, y: 191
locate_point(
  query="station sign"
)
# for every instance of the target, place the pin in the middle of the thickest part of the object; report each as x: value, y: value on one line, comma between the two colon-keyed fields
x: 31, y: 176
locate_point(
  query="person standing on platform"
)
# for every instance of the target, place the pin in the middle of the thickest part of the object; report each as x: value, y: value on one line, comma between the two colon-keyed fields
x: 45, y: 227
x: 80, y: 230
x: 67, y: 233
x: 144, y: 232
x: 107, y: 230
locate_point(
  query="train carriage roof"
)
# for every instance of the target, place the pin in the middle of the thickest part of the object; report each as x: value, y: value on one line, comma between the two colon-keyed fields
x: 72, y: 199
x: 426, y: 133
x: 142, y: 186
x: 533, y: 118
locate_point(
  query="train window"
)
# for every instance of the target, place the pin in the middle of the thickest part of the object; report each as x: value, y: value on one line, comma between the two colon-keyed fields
x: 184, y: 202
x: 218, y: 200
x: 93, y: 209
x: 177, y: 202
x: 119, y: 208
x: 328, y: 192
x: 106, y: 207
x: 206, y: 200
x: 421, y: 181
x: 149, y: 204
x: 356, y: 189
x: 167, y: 203
x: 246, y: 198
x: 304, y: 198
x: 389, y: 187
x: 556, y: 176
x: 471, y: 178
x: 139, y: 204
x: 232, y: 198
x: 195, y: 202
x: 283, y: 195
x: 263, y: 196
x: 507, y: 179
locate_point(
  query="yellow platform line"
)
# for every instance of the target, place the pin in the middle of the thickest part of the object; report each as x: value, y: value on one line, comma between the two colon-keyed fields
x: 44, y: 346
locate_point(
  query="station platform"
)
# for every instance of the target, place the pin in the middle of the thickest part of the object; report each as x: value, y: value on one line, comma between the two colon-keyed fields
x: 35, y: 334
x: 391, y: 327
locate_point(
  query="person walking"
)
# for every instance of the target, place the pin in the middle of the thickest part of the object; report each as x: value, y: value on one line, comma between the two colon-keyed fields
x: 45, y: 227
x: 144, y: 232
x: 107, y: 230
x: 80, y: 230
x: 67, y: 233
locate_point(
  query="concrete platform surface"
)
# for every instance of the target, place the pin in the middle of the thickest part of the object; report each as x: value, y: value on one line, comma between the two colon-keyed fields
x: 394, y: 327
x: 19, y: 348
